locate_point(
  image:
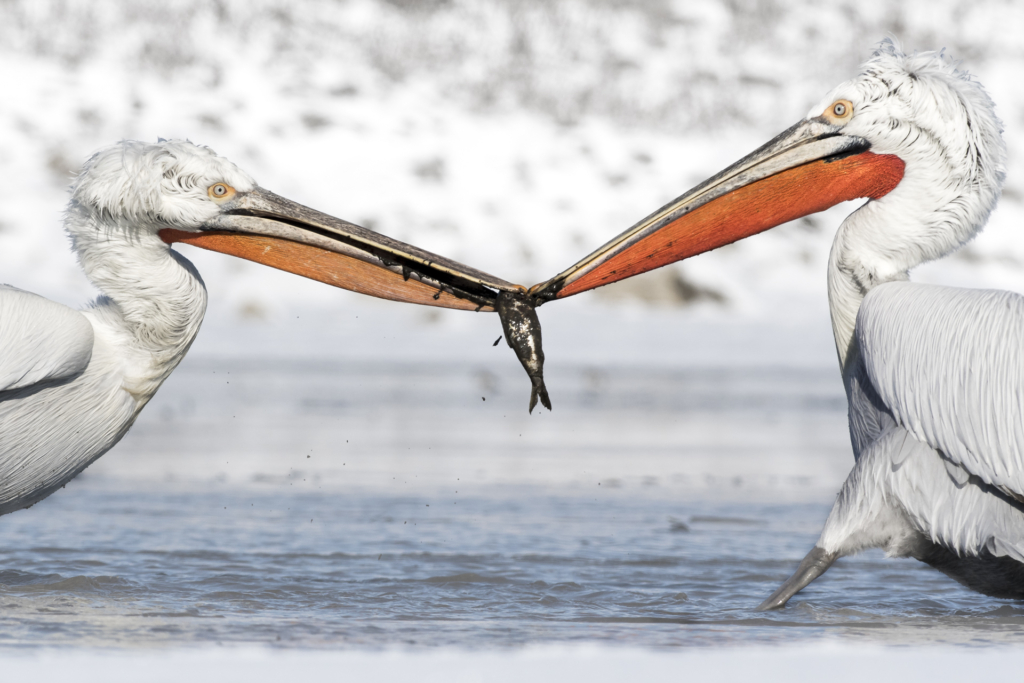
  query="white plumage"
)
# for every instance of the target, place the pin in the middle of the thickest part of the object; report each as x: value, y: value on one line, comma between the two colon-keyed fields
x: 941, y: 474
x: 42, y: 340
x: 74, y: 382
x: 943, y: 126
x: 934, y: 375
x: 973, y: 410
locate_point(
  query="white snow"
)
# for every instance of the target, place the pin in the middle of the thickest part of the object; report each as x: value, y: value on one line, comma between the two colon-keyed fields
x: 515, y: 136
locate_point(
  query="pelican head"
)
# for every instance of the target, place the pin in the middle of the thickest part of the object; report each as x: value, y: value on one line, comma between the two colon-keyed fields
x: 942, y: 125
x: 139, y: 188
x: 913, y: 135
x: 134, y: 197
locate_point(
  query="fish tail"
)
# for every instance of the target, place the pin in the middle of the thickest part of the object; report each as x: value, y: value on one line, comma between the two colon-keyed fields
x: 539, y: 390
x: 545, y: 401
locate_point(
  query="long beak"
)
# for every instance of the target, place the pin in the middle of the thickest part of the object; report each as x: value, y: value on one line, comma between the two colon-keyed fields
x: 806, y: 169
x: 263, y: 227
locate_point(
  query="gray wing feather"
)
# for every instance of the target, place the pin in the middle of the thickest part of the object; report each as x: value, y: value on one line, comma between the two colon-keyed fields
x: 920, y: 490
x: 40, y: 340
x: 949, y: 365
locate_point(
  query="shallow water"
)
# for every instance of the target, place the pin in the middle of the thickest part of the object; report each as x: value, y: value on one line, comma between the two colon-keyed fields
x: 156, y: 567
x: 652, y: 508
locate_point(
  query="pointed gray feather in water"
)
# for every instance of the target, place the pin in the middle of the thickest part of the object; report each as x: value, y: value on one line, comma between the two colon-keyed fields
x: 522, y: 332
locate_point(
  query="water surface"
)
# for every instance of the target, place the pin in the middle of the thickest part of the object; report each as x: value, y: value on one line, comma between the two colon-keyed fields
x: 369, y: 505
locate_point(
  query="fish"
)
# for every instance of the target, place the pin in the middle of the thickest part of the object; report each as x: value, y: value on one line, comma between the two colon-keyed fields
x: 522, y: 333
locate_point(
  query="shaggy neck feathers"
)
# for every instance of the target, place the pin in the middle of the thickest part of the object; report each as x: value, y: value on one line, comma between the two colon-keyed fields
x: 942, y: 124
x: 152, y: 303
x: 153, y: 300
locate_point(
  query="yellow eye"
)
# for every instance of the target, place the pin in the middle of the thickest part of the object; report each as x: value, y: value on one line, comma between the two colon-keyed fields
x: 840, y: 111
x: 220, y: 192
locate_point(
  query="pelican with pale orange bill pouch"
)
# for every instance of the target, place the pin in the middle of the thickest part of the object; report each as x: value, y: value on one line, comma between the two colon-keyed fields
x: 261, y: 226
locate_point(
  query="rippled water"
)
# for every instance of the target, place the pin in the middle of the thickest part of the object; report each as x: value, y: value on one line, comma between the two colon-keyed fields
x: 119, y: 567
x: 652, y: 508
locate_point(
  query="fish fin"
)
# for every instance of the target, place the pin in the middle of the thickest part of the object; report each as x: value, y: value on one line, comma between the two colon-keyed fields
x: 545, y: 401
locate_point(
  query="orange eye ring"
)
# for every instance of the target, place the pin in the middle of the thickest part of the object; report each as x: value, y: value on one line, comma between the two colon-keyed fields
x: 839, y: 111
x: 220, y: 192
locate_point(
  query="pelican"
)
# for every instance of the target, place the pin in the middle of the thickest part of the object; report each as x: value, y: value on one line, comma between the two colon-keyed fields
x: 73, y: 382
x: 934, y: 376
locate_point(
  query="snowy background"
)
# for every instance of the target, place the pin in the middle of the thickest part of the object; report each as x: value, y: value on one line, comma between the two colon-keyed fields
x: 513, y: 135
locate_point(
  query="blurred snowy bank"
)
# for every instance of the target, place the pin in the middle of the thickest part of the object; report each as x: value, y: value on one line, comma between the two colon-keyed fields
x: 513, y: 135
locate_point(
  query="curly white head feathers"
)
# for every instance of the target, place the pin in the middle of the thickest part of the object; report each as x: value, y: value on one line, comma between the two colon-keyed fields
x: 943, y: 125
x: 137, y: 186
x: 128, y: 192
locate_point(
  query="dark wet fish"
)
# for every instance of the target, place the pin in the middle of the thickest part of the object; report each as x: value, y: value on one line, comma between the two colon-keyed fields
x: 522, y: 332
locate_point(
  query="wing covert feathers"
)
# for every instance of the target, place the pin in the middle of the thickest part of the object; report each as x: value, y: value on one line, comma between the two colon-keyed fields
x: 40, y: 340
x: 949, y: 365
